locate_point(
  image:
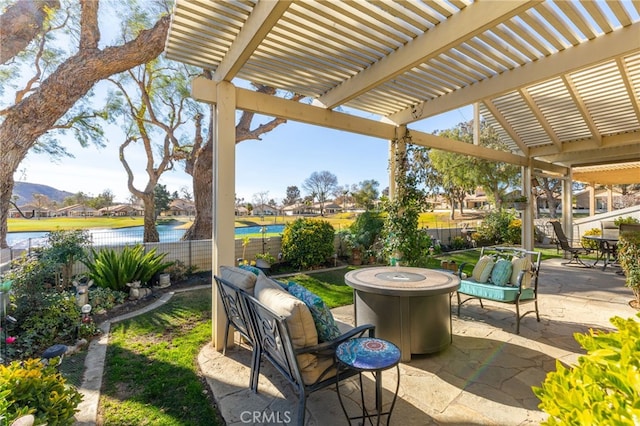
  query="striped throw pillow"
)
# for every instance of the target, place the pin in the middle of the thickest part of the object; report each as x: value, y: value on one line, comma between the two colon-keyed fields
x: 482, y: 270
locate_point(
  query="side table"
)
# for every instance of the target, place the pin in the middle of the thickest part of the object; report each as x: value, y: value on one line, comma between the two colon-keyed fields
x: 374, y: 355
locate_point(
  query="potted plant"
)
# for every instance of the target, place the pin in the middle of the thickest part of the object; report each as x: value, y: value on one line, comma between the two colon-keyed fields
x: 265, y: 260
x: 371, y: 256
x: 629, y: 258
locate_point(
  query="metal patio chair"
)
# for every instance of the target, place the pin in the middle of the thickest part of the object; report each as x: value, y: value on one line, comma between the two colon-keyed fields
x: 565, y: 245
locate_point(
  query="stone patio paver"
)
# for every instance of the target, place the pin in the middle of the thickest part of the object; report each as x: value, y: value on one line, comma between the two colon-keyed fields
x: 483, y: 378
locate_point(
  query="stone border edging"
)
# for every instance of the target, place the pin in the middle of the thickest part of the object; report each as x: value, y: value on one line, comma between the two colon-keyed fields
x: 94, y: 362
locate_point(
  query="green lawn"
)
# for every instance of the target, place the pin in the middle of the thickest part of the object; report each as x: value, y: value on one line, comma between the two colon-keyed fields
x: 328, y: 285
x: 338, y: 221
x: 151, y: 373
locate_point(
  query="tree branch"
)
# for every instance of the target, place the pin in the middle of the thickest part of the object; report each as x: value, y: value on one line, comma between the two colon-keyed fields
x: 20, y: 24
x: 89, y: 29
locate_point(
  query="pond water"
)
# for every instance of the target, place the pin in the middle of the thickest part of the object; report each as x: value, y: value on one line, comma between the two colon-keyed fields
x: 168, y: 233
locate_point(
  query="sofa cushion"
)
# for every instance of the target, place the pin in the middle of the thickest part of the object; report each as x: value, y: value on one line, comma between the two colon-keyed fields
x: 322, y: 317
x: 501, y: 272
x: 302, y: 329
x: 520, y: 264
x: 494, y: 292
x: 239, y: 277
x: 482, y: 270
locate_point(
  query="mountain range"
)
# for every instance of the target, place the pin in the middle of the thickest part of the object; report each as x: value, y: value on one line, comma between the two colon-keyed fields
x: 24, y: 192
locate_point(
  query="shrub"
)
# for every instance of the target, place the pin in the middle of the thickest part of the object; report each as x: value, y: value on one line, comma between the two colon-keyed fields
x: 179, y: 271
x: 110, y: 269
x: 587, y: 243
x: 603, y: 388
x: 54, y: 320
x: 629, y: 258
x: 628, y: 220
x: 30, y: 387
x: 514, y: 232
x: 366, y: 229
x: 458, y: 243
x: 31, y: 278
x: 64, y: 248
x: 102, y: 299
x: 307, y: 242
x: 495, y: 228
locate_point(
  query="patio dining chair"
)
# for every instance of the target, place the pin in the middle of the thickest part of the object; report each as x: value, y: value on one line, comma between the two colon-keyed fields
x: 565, y: 245
x: 609, y: 248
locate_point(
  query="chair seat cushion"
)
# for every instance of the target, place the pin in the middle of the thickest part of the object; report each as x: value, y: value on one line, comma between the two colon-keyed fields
x: 493, y: 292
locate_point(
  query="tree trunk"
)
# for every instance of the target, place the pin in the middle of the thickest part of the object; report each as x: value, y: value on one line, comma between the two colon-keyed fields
x: 150, y: 231
x: 6, y: 189
x: 200, y: 164
x: 37, y: 113
x: 202, y: 227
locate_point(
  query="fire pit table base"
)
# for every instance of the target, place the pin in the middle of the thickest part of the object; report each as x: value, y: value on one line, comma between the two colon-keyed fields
x: 411, y: 308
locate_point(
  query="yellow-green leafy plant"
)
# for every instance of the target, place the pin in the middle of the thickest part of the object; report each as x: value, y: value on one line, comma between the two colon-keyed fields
x: 629, y: 258
x: 604, y: 388
x: 30, y: 387
x: 586, y: 242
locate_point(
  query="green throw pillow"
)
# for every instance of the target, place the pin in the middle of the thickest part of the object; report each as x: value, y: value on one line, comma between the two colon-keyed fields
x: 322, y: 317
x: 501, y: 272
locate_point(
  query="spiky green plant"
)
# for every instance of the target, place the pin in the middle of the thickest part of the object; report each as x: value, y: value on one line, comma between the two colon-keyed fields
x: 109, y: 268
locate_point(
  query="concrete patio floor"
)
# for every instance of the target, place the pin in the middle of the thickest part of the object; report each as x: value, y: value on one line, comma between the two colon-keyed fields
x: 483, y: 378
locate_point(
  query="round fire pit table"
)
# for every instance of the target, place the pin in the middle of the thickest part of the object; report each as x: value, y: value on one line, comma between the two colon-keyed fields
x: 410, y: 307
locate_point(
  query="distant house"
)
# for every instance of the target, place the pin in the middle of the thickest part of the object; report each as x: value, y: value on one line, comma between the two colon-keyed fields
x: 331, y: 208
x: 31, y: 211
x: 601, y: 195
x: 242, y: 211
x: 297, y: 209
x: 477, y: 200
x: 122, y: 210
x: 77, y: 210
x: 264, y: 210
x: 180, y: 207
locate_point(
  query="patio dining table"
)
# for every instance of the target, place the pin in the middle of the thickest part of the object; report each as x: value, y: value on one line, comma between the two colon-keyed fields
x: 606, y: 249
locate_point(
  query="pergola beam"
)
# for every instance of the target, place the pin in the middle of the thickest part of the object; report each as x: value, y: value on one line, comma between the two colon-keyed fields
x: 264, y: 16
x: 470, y: 22
x: 626, y: 141
x: 204, y: 90
x: 606, y: 47
x: 612, y: 155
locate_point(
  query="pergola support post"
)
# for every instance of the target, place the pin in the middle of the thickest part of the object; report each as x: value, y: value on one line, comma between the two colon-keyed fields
x: 527, y: 234
x: 224, y: 160
x: 567, y: 205
x: 397, y: 148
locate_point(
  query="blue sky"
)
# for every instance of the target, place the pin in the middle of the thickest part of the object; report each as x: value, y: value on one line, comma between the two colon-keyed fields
x: 285, y: 156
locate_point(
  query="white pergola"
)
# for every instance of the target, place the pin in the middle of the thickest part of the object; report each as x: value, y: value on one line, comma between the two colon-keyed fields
x: 559, y: 80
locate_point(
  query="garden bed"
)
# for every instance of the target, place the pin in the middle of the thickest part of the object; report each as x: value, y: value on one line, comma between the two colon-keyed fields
x: 201, y: 278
